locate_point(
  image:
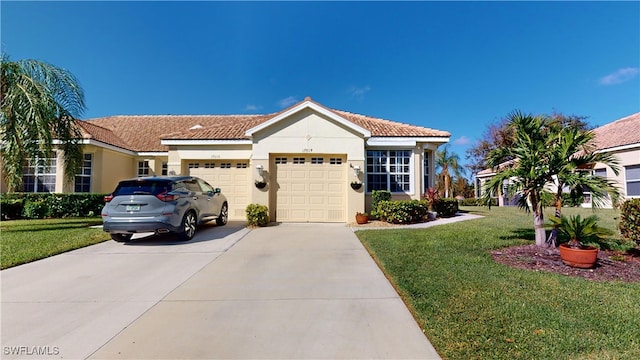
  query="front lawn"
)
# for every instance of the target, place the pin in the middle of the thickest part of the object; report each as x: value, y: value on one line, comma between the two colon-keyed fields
x: 23, y: 241
x: 471, y: 307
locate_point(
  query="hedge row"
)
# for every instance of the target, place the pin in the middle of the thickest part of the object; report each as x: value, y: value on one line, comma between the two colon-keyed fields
x: 630, y: 220
x: 402, y: 211
x: 16, y: 206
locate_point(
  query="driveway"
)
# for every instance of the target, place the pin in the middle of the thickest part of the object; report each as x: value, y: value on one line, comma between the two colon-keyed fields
x: 288, y: 291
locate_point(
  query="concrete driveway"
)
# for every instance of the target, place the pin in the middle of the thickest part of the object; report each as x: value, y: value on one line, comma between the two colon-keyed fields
x: 288, y: 291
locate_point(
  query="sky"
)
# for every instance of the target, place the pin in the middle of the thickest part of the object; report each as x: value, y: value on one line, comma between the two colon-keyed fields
x: 453, y: 66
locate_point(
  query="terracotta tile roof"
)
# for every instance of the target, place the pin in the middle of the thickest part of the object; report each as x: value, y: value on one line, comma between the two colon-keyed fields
x: 93, y: 131
x: 625, y: 131
x: 144, y: 132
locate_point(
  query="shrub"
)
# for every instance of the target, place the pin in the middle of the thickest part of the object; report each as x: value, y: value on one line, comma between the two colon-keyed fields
x: 57, y: 205
x: 403, y: 211
x: 446, y: 207
x: 630, y: 220
x: 471, y: 202
x: 376, y: 197
x: 11, y: 209
x: 35, y: 209
x: 572, y: 200
x: 257, y: 215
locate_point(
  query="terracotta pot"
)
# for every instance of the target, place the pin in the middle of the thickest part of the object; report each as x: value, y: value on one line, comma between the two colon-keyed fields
x: 585, y: 257
x: 362, y: 219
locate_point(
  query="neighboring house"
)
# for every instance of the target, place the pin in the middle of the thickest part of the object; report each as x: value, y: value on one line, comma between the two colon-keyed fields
x: 621, y: 138
x: 308, y: 154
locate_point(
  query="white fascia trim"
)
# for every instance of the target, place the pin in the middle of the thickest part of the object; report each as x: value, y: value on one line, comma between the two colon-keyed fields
x: 153, y: 153
x: 618, y: 148
x: 206, y: 142
x: 310, y: 105
x: 405, y: 141
x: 102, y: 145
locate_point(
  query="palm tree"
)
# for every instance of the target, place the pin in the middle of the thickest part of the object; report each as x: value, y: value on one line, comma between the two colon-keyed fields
x: 446, y: 161
x: 39, y: 102
x: 572, y: 156
x: 524, y: 166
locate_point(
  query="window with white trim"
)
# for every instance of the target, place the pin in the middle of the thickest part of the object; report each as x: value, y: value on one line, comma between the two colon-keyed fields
x: 165, y: 168
x: 389, y: 170
x: 632, y: 178
x: 425, y: 170
x: 82, y: 182
x: 39, y: 174
x: 143, y: 168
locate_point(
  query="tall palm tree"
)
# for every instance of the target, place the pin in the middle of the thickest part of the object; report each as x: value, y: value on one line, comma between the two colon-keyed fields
x: 39, y: 102
x: 524, y: 166
x: 448, y: 162
x: 572, y: 156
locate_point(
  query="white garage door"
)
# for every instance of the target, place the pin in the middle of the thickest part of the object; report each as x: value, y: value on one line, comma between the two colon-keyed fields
x: 232, y: 177
x: 311, y: 188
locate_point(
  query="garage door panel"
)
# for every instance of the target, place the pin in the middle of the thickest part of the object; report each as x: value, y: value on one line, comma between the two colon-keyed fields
x: 312, y: 189
x: 233, y: 182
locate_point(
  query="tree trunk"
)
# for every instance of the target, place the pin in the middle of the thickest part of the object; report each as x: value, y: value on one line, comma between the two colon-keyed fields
x: 552, y: 241
x: 538, y: 224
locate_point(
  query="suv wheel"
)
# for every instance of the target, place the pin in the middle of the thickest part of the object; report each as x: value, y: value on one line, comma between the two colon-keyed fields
x: 189, y: 224
x: 224, y: 215
x: 121, y: 237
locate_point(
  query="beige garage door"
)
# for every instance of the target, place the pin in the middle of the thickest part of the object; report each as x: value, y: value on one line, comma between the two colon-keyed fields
x: 311, y: 188
x: 232, y: 177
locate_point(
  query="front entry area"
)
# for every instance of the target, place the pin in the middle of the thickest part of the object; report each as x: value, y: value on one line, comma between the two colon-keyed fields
x: 310, y: 187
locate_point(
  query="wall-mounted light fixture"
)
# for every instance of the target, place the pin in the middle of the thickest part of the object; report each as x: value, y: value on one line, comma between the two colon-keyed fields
x: 260, y: 169
x: 356, y: 170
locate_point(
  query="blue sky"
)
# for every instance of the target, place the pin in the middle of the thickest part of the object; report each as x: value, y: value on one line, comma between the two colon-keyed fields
x: 455, y: 66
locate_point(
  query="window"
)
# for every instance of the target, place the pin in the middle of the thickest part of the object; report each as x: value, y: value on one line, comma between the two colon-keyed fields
x: 298, y: 160
x: 83, y: 177
x: 601, y: 172
x: 39, y: 174
x: 632, y: 176
x: 241, y: 165
x: 281, y: 160
x: 165, y: 168
x: 209, y: 165
x: 425, y: 170
x: 143, y: 168
x: 335, y: 161
x: 317, y: 160
x: 225, y: 165
x: 193, y: 165
x: 389, y: 170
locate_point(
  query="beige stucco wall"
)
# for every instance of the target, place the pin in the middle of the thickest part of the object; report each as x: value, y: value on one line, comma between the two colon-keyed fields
x: 626, y: 158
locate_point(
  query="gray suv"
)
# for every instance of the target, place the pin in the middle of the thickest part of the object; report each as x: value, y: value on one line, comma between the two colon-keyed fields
x: 162, y: 204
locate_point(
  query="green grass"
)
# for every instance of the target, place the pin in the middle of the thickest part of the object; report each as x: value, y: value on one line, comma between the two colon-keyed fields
x: 471, y: 307
x: 23, y: 241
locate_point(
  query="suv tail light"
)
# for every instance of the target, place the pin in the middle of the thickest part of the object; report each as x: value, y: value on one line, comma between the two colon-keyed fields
x: 108, y: 198
x: 164, y: 196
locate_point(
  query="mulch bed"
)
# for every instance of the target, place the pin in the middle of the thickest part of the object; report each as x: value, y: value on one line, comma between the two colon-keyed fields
x: 611, y: 265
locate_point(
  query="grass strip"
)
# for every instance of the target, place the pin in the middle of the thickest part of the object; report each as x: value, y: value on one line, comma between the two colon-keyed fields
x: 23, y: 241
x: 471, y: 307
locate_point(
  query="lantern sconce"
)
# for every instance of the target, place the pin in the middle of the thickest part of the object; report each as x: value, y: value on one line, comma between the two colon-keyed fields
x: 356, y: 170
x: 260, y: 169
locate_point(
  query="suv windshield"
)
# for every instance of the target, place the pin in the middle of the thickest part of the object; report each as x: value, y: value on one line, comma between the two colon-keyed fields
x: 142, y: 187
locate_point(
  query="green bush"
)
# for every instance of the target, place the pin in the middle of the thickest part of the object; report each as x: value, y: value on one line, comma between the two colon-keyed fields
x: 572, y: 200
x: 630, y: 220
x: 376, y: 197
x: 471, y: 202
x: 35, y: 209
x: 11, y: 209
x: 57, y: 205
x: 403, y: 211
x: 446, y: 207
x: 257, y: 215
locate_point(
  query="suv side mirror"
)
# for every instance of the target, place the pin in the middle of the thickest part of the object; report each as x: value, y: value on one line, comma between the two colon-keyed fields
x: 217, y: 191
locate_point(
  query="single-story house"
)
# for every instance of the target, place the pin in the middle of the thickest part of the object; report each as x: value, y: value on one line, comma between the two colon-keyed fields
x: 307, y: 154
x: 621, y: 138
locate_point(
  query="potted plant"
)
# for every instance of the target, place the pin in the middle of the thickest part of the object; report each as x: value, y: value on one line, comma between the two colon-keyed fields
x: 260, y: 184
x: 432, y: 196
x: 356, y: 185
x: 362, y: 218
x: 579, y: 231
